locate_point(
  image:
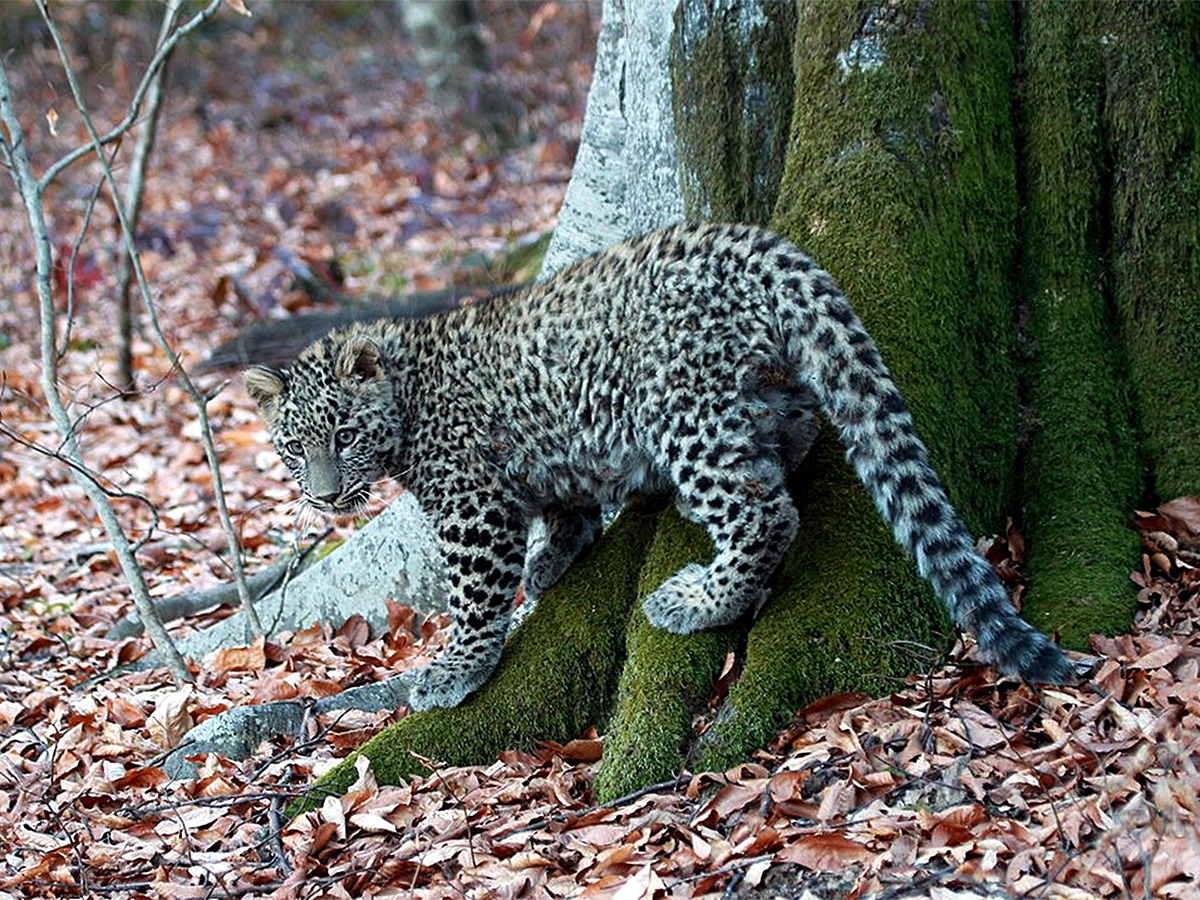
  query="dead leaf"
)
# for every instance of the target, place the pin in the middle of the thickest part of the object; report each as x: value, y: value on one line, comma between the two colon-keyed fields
x: 1183, y: 513
x: 830, y: 852
x: 251, y: 658
x: 1158, y: 658
x: 170, y: 720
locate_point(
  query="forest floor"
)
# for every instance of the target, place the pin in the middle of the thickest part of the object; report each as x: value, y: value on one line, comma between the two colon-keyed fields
x: 309, y: 135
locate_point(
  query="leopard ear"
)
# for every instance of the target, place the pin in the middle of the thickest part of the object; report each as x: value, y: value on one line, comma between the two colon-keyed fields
x: 358, y: 360
x: 265, y: 387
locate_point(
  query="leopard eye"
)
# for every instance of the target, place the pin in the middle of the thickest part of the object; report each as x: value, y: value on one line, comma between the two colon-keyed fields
x: 294, y: 448
x: 344, y: 437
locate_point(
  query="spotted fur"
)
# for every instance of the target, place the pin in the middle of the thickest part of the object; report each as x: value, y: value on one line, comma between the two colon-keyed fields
x: 692, y: 358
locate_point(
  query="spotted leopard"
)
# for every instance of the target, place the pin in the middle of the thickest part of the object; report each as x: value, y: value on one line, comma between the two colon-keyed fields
x: 693, y: 358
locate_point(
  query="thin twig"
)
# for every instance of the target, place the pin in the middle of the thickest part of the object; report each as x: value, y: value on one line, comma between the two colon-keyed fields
x: 198, y: 399
x: 113, y: 493
x: 164, y: 50
x: 83, y: 230
x: 466, y: 815
x: 617, y: 803
x: 727, y: 869
x: 134, y: 190
x: 30, y: 191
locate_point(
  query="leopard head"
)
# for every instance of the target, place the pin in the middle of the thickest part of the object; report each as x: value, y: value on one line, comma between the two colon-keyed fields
x: 332, y: 418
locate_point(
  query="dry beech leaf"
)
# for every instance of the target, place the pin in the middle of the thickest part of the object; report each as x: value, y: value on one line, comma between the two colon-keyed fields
x: 825, y: 852
x: 250, y: 658
x: 372, y: 822
x: 1183, y: 513
x: 582, y: 750
x: 170, y: 720
x: 1158, y: 658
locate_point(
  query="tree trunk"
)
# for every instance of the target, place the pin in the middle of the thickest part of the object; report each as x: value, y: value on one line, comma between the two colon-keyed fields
x: 1034, y: 348
x: 900, y: 178
x: 1082, y: 475
x: 626, y: 175
x: 1152, y: 122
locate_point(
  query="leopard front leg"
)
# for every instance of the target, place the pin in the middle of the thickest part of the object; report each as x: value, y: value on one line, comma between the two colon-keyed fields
x: 483, y: 541
x: 568, y: 532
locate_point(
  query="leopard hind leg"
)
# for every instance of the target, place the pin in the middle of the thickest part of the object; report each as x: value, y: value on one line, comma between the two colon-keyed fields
x: 727, y: 469
x: 799, y: 423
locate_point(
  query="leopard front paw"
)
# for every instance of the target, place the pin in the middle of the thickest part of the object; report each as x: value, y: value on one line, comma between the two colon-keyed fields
x: 542, y: 572
x: 443, y: 683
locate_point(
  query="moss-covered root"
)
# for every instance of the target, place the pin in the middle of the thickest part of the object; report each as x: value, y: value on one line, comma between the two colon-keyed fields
x: 1082, y: 476
x: 666, y: 678
x: 557, y: 676
x: 1152, y: 113
x: 847, y: 613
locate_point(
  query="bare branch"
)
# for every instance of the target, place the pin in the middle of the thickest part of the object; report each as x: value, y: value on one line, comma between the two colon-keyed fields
x: 83, y: 230
x: 134, y: 189
x: 164, y: 50
x: 30, y: 190
x: 201, y: 403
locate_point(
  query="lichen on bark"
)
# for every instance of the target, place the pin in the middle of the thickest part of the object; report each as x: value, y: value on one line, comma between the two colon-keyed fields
x: 732, y: 88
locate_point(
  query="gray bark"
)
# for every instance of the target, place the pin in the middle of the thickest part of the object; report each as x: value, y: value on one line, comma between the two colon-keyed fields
x: 626, y: 175
x: 236, y: 733
x: 394, y: 557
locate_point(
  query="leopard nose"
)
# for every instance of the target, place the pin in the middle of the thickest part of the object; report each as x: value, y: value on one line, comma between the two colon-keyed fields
x: 329, y: 497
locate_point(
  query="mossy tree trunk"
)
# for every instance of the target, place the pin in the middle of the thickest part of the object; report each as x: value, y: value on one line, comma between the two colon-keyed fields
x: 1049, y: 356
x: 1081, y: 474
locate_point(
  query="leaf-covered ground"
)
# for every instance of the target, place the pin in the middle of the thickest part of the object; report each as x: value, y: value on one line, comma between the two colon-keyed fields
x: 311, y: 136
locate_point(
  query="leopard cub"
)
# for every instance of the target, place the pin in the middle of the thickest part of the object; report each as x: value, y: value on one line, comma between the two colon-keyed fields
x: 694, y: 359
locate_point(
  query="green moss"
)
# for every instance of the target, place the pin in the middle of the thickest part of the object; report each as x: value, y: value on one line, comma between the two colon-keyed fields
x: 1152, y: 119
x: 327, y: 548
x: 666, y: 678
x: 557, y: 676
x: 519, y: 261
x: 731, y: 79
x: 847, y: 613
x: 523, y: 260
x: 901, y: 180
x: 1082, y: 475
